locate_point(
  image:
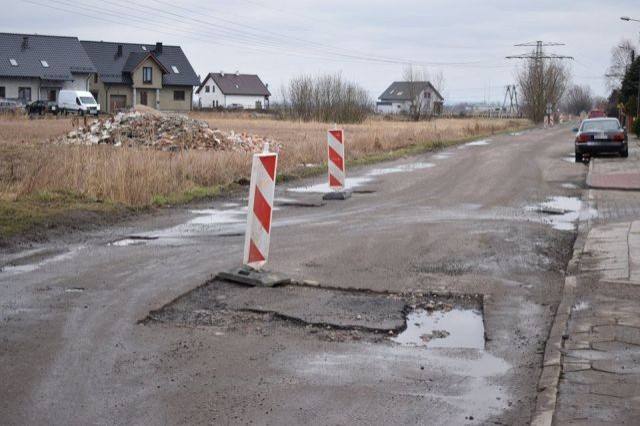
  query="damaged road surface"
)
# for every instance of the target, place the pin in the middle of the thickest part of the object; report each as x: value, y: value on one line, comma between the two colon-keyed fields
x: 428, y: 300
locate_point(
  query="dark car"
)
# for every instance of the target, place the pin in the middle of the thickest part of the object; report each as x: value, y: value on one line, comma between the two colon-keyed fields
x: 601, y: 135
x: 52, y: 107
x: 36, y: 107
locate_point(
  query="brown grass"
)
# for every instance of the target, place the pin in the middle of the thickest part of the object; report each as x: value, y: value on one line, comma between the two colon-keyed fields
x: 138, y: 177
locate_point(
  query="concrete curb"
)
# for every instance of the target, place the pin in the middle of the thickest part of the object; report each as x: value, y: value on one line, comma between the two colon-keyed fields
x: 552, y: 361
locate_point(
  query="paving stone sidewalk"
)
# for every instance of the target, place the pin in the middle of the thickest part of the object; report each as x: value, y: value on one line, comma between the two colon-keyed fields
x: 616, y: 172
x: 600, y: 380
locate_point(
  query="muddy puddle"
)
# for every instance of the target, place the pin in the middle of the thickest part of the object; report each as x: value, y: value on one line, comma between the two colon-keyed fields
x: 481, y: 142
x: 563, y: 213
x: 36, y: 260
x: 456, y: 328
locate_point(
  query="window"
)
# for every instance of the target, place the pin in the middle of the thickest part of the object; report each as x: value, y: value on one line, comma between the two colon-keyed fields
x: 44, y: 63
x: 213, y: 89
x: 147, y: 75
x: 95, y: 78
x: 13, y: 62
x: 207, y: 89
x: 2, y: 92
x: 178, y: 95
x: 52, y: 95
x: 175, y: 69
x: 24, y: 93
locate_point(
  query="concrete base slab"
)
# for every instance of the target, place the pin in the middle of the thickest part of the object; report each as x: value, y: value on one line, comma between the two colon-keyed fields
x: 324, y: 307
x: 252, y: 277
x: 337, y: 195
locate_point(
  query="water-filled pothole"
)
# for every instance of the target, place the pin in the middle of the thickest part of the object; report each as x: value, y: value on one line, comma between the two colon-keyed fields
x: 331, y: 314
x: 455, y: 328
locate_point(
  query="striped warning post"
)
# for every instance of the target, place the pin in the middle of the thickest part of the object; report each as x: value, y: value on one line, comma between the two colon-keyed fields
x: 263, y: 185
x: 335, y: 143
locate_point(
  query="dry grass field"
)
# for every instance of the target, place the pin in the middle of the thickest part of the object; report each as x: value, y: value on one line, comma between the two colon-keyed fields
x: 33, y: 169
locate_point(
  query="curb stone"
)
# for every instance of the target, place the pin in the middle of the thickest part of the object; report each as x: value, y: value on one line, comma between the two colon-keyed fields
x: 552, y: 360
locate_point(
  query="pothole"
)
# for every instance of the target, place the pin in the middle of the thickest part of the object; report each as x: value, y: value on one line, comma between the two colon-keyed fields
x: 331, y: 314
x: 454, y: 328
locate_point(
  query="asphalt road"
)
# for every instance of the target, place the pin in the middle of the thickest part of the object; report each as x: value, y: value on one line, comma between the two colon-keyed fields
x: 463, y: 220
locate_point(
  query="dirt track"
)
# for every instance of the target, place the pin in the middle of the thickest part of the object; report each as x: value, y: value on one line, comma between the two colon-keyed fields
x: 464, y: 220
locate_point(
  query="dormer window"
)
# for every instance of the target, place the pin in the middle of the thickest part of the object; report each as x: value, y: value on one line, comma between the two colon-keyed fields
x: 175, y: 69
x: 13, y: 62
x: 147, y: 75
x: 44, y: 63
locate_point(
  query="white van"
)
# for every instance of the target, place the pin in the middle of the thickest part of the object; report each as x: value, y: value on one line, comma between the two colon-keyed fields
x: 77, y: 101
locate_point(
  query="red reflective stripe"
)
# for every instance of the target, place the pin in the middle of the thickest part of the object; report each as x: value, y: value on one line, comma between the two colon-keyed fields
x: 262, y: 210
x: 336, y: 134
x: 269, y: 163
x: 333, y: 181
x: 254, y: 253
x: 335, y: 158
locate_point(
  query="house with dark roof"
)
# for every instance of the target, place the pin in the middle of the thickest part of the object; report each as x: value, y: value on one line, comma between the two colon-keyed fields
x: 36, y: 67
x: 129, y: 74
x: 406, y: 96
x: 228, y: 90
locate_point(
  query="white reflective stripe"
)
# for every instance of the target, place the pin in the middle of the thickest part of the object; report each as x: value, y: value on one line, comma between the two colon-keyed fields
x: 255, y: 232
x: 337, y: 173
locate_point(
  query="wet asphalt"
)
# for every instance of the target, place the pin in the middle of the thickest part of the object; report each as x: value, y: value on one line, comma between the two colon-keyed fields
x: 464, y: 220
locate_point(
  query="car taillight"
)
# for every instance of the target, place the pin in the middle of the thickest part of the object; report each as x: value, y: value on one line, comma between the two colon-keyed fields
x: 619, y: 137
x: 583, y: 138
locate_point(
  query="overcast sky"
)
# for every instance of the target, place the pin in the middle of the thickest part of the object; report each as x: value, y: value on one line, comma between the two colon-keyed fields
x: 366, y: 40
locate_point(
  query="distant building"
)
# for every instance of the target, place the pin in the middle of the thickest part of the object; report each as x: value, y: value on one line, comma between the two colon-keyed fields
x: 402, y: 95
x: 37, y: 67
x: 130, y: 74
x: 233, y: 90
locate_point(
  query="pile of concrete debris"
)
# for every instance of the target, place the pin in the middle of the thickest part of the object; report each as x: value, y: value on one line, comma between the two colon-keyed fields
x: 166, y: 132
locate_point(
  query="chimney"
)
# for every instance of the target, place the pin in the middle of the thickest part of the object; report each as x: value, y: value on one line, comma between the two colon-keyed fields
x: 119, y: 51
x: 25, y: 42
x: 158, y: 50
x: 237, y: 73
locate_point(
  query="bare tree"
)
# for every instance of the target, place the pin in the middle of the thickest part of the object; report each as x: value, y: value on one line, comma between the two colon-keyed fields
x: 542, y: 82
x: 326, y: 98
x: 621, y: 58
x: 414, y: 76
x: 578, y: 99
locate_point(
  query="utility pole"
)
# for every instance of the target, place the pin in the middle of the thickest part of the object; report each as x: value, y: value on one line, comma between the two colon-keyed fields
x: 538, y: 56
x: 511, y: 93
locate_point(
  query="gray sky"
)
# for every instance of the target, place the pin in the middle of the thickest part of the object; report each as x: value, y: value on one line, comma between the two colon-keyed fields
x: 366, y: 40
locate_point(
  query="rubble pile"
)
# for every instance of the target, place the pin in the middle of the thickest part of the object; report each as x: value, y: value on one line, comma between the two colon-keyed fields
x: 166, y: 132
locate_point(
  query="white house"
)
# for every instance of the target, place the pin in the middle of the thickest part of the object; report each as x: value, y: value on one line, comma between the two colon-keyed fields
x: 233, y: 91
x: 399, y: 97
x: 37, y: 67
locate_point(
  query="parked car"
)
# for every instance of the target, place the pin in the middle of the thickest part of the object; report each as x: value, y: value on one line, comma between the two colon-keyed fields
x: 36, y: 107
x: 600, y: 135
x: 77, y: 101
x: 596, y: 113
x: 52, y: 107
x: 8, y: 106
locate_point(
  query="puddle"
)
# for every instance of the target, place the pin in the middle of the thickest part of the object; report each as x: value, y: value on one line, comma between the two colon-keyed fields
x: 569, y: 186
x: 517, y: 133
x: 581, y: 306
x: 457, y: 328
x: 562, y: 213
x: 481, y: 142
x: 19, y: 268
x: 400, y: 169
x: 443, y: 156
x: 324, y: 187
